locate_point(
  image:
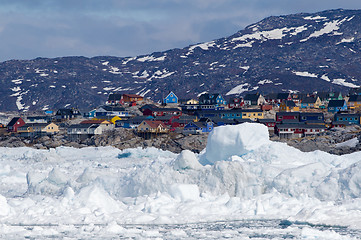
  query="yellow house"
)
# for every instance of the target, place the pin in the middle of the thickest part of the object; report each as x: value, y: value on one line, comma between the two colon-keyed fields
x: 354, y: 102
x: 32, y: 129
x: 152, y: 127
x: 252, y: 114
x: 288, y: 106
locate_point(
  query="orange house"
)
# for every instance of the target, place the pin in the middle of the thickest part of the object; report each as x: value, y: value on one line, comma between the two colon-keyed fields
x: 128, y: 98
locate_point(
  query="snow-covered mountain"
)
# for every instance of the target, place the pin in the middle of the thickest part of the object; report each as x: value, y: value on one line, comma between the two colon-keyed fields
x: 300, y: 52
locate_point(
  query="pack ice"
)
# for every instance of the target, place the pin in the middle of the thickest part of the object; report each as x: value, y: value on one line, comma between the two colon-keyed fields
x: 240, y: 175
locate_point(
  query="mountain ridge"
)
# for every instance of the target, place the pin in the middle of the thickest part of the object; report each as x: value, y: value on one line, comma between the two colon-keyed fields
x: 299, y: 52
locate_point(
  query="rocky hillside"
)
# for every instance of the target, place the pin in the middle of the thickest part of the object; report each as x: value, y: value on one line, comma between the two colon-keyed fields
x: 300, y: 52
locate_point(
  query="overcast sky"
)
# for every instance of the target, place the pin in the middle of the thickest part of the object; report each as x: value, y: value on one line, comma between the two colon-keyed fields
x: 55, y: 28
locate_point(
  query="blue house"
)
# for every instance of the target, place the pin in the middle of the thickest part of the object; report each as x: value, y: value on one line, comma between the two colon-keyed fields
x: 171, y: 98
x: 312, y: 117
x: 212, y: 99
x: 198, y: 127
x: 350, y: 118
x: 337, y: 106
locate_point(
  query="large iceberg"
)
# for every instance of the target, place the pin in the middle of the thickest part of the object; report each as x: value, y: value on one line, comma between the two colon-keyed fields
x: 226, y: 141
x: 243, y: 175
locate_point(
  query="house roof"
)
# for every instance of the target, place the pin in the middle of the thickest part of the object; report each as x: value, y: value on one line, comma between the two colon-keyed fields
x: 85, y: 125
x: 282, y: 96
x: 154, y: 124
x: 95, y: 122
x: 114, y: 96
x: 336, y: 103
x: 266, y: 120
x: 287, y: 113
x: 309, y: 100
x: 290, y: 103
x: 13, y: 121
x: 302, y: 114
x: 68, y: 111
x: 112, y: 108
x: 165, y: 109
x: 251, y: 97
x: 355, y: 98
x: 132, y: 95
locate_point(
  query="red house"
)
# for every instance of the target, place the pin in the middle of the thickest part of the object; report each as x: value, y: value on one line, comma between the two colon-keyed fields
x: 282, y: 116
x: 15, y: 123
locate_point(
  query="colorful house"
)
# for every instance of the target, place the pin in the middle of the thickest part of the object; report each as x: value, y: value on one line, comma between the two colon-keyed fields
x: 161, y: 111
x: 15, y: 123
x: 281, y: 116
x: 337, y: 106
x: 129, y: 98
x: 150, y: 126
x: 170, y: 98
x: 211, y: 99
x: 354, y: 102
x: 350, y: 118
x: 254, y: 100
x: 67, y: 113
x: 115, y: 99
x: 198, y: 127
x: 311, y: 102
x: 288, y: 106
x: 312, y: 117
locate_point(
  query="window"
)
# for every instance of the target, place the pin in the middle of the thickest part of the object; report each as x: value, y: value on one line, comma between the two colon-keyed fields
x: 259, y: 114
x: 340, y: 118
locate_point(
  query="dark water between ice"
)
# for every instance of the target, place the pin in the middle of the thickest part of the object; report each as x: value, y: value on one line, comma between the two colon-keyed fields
x: 244, y: 229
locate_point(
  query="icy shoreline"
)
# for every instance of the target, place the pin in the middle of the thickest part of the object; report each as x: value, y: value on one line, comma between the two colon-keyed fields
x: 243, y: 176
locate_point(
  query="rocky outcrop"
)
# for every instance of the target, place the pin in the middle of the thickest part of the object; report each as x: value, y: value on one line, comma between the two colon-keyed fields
x: 121, y: 138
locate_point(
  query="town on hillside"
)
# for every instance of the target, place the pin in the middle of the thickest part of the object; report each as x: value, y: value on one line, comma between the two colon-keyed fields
x: 287, y: 115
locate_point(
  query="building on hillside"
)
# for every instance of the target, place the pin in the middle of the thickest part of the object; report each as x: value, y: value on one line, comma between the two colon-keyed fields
x: 38, y: 129
x: 130, y: 98
x: 151, y: 126
x: 288, y: 106
x: 337, y: 106
x: 312, y: 118
x: 198, y: 127
x: 212, y: 99
x: 350, y: 118
x: 170, y: 98
x: 115, y: 99
x: 311, y: 102
x: 67, y: 114
x: 111, y: 111
x: 161, y: 111
x: 281, y: 116
x: 188, y: 101
x: 38, y: 119
x: 254, y: 100
x: 354, y: 102
x: 15, y: 123
x: 236, y: 102
x: 289, y: 131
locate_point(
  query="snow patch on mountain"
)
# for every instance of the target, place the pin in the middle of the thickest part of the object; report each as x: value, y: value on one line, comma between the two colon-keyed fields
x: 151, y: 59
x: 305, y: 74
x: 274, y: 34
x: 346, y: 40
x: 239, y: 89
x: 329, y: 27
x: 343, y: 82
x: 264, y: 82
x: 315, y: 18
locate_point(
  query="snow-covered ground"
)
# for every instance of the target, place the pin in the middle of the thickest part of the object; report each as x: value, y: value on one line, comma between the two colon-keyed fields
x: 241, y: 186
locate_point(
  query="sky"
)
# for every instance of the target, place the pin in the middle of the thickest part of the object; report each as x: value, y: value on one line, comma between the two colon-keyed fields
x: 57, y: 28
